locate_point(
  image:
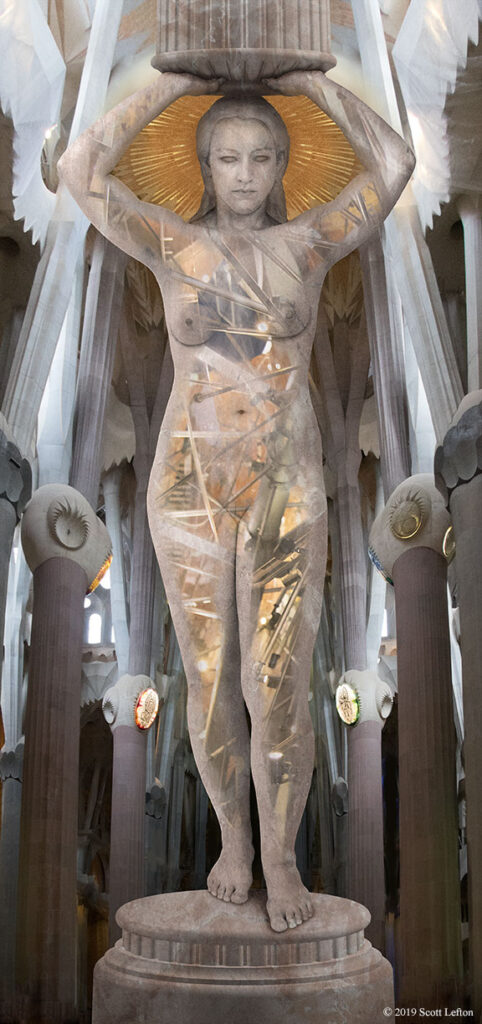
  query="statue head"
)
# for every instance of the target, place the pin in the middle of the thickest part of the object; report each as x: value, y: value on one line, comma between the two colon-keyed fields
x: 243, y: 148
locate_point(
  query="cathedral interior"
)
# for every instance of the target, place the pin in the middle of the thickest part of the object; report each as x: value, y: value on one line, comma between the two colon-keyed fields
x: 93, y: 689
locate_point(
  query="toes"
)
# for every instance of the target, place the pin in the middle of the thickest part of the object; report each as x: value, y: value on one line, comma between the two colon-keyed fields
x: 293, y: 918
x: 278, y: 923
x: 239, y: 896
x: 220, y: 892
x: 228, y: 892
x: 306, y: 911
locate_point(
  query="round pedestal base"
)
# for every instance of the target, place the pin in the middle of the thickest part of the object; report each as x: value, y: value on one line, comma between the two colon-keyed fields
x: 242, y: 65
x: 190, y: 958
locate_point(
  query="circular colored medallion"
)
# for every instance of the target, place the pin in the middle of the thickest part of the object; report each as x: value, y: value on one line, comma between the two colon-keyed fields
x: 147, y: 707
x: 347, y: 703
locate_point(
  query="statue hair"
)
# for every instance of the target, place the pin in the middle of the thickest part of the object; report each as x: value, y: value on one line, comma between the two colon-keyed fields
x: 257, y: 109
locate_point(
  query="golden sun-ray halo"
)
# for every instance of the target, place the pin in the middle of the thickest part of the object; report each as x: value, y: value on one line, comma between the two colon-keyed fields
x: 160, y: 166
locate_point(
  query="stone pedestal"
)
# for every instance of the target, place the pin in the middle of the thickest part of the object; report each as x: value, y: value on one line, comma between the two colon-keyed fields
x: 188, y: 957
x: 243, y: 42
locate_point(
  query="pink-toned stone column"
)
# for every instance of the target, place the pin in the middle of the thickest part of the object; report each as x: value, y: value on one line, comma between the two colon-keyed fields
x: 458, y: 465
x: 366, y: 878
x: 65, y: 545
x: 406, y: 542
x: 130, y: 716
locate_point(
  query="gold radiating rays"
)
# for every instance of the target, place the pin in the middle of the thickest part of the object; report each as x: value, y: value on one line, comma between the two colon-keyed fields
x: 161, y: 164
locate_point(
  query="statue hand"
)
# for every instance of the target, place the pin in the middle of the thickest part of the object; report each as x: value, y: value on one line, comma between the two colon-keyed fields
x: 294, y: 83
x: 192, y: 85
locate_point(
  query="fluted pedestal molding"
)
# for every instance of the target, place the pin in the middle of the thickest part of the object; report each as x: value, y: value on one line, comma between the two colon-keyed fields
x: 406, y: 543
x: 65, y: 546
x: 386, y: 355
x: 11, y: 770
x: 458, y: 468
x: 469, y: 209
x: 128, y: 793
x: 243, y: 42
x: 99, y: 337
x: 366, y: 874
x: 15, y: 490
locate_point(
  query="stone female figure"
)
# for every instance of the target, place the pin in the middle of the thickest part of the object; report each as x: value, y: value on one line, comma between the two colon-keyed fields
x: 236, y: 499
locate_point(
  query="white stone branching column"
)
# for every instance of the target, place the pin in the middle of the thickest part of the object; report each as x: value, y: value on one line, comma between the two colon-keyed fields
x: 386, y: 340
x: 458, y: 467
x: 130, y: 708
x: 406, y: 544
x: 67, y: 548
x: 469, y: 209
x: 103, y: 305
x: 52, y: 286
x: 366, y: 877
x: 118, y: 589
x: 15, y: 490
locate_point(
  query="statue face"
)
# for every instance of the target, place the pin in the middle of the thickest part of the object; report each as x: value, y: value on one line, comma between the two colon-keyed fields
x: 243, y: 165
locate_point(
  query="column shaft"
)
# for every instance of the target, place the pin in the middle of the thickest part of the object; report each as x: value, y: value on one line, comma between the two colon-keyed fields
x: 472, y: 222
x: 366, y: 879
x: 127, y: 822
x: 99, y: 337
x: 386, y: 356
x: 466, y: 509
x: 9, y: 847
x: 429, y: 882
x: 46, y: 942
x: 8, y: 522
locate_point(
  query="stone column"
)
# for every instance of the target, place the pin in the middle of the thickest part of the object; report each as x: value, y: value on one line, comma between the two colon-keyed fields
x: 99, y: 338
x: 11, y: 769
x: 118, y: 589
x: 406, y: 543
x: 458, y: 467
x: 385, y: 333
x: 129, y: 716
x: 54, y: 276
x: 15, y: 490
x: 469, y: 210
x: 366, y: 878
x: 67, y: 548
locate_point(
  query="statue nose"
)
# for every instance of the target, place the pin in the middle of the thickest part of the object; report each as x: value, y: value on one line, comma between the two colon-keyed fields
x: 244, y: 170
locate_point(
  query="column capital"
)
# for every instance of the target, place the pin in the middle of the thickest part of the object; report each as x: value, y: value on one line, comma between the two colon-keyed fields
x: 459, y: 458
x: 59, y: 523
x: 365, y: 689
x: 15, y: 474
x: 414, y: 516
x: 132, y: 701
x: 11, y: 762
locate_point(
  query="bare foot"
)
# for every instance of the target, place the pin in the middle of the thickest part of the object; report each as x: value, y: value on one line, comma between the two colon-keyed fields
x: 231, y: 876
x: 289, y: 903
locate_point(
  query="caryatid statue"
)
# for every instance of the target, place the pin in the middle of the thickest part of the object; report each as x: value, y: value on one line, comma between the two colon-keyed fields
x: 236, y: 499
